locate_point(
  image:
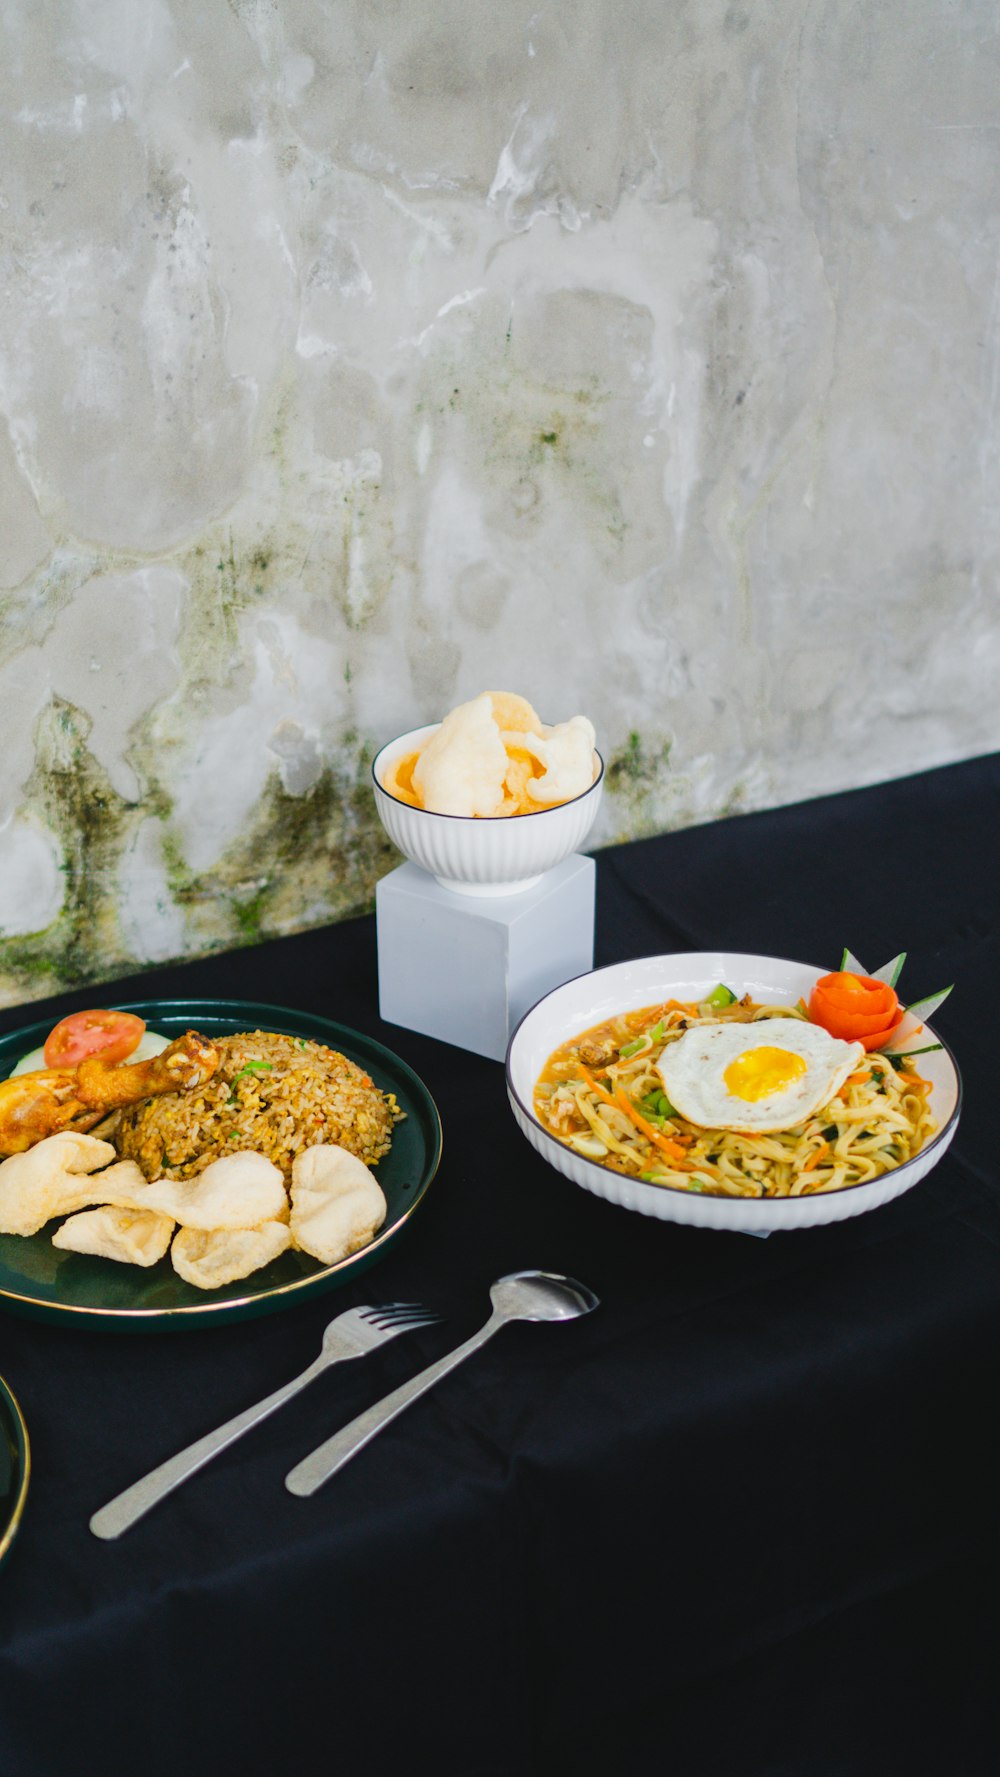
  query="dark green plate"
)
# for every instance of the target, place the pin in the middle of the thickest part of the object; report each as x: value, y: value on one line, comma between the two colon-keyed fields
x: 39, y: 1280
x: 15, y: 1467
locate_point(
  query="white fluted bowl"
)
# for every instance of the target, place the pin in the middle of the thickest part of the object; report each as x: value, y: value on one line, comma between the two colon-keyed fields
x: 475, y: 855
x: 691, y: 975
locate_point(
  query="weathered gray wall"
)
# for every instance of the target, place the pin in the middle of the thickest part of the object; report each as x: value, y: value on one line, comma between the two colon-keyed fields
x: 356, y: 357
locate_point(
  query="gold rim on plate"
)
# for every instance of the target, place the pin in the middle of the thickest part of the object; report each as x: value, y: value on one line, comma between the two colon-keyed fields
x: 9, y: 1530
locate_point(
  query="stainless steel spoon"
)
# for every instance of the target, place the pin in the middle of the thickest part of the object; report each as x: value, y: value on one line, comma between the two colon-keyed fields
x: 524, y: 1295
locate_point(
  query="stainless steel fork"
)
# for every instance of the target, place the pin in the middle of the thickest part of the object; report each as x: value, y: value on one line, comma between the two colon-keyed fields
x: 352, y: 1334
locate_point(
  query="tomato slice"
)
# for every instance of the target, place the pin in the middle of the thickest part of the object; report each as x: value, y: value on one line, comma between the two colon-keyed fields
x: 111, y: 1034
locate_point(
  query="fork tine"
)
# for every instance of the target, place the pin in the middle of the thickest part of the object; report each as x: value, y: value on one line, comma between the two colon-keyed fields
x: 408, y: 1323
x: 392, y: 1312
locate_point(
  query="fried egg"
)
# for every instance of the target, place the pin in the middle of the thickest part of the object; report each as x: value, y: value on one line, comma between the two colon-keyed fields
x: 753, y: 1078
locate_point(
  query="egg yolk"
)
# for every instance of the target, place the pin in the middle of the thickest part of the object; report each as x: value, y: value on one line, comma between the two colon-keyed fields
x: 759, y: 1072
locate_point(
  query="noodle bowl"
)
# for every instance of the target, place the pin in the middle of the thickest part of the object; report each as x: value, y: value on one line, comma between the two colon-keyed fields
x: 874, y: 1145
x: 615, y: 1110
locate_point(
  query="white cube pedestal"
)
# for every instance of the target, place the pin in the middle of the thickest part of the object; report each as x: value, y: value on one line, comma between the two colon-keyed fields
x: 465, y: 968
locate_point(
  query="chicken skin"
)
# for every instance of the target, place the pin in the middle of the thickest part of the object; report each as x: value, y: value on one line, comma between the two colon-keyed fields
x: 35, y: 1105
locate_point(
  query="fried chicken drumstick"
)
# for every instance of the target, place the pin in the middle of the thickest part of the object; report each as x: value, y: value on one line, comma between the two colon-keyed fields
x: 38, y: 1104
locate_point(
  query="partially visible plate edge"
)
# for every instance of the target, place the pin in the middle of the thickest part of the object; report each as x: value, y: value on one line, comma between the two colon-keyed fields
x: 8, y: 1534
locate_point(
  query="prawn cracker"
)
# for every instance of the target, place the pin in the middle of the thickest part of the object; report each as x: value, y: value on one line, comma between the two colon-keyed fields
x: 337, y: 1203
x: 209, y: 1258
x: 513, y: 712
x: 398, y: 781
x: 50, y: 1179
x: 132, y: 1236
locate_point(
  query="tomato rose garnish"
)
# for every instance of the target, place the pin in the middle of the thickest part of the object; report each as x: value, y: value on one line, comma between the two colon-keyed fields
x: 856, y: 1008
x: 113, y: 1035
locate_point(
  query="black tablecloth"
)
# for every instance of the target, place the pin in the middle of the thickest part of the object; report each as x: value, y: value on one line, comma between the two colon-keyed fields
x: 741, y: 1520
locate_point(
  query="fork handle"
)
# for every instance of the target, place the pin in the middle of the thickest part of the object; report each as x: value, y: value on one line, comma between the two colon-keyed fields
x: 324, y: 1461
x: 126, y: 1508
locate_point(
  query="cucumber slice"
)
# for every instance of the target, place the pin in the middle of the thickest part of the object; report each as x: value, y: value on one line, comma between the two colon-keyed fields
x: 926, y: 1008
x: 150, y: 1043
x: 849, y: 965
x: 891, y: 971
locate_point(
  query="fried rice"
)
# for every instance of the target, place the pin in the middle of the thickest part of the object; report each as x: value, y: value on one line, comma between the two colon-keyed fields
x: 272, y: 1095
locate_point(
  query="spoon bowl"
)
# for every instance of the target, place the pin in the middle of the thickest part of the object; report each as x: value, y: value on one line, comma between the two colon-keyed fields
x: 540, y: 1295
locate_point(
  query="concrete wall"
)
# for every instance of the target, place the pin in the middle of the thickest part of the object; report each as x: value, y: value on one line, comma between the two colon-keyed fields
x: 358, y: 356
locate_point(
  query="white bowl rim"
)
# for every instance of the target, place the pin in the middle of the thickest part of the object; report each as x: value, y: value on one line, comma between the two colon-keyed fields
x: 947, y: 1129
x: 529, y: 814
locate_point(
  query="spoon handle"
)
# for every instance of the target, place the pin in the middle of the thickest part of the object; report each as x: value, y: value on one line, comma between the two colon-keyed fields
x: 324, y: 1461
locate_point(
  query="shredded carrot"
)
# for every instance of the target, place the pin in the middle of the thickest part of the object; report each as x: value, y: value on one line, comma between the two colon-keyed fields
x: 913, y: 1080
x: 594, y: 1087
x: 621, y: 1102
x: 663, y: 1142
x: 665, y: 1006
x: 857, y: 1079
x: 816, y: 1156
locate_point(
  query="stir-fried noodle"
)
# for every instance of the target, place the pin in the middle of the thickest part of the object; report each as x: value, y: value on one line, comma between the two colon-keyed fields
x: 602, y: 1095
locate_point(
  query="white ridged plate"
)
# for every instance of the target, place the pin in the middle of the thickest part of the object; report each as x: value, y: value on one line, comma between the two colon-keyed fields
x: 690, y: 975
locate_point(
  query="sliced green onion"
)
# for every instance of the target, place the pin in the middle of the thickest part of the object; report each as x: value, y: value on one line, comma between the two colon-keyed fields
x: 657, y: 1105
x: 721, y: 996
x: 657, y: 1033
x: 255, y: 1067
x: 632, y: 1048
